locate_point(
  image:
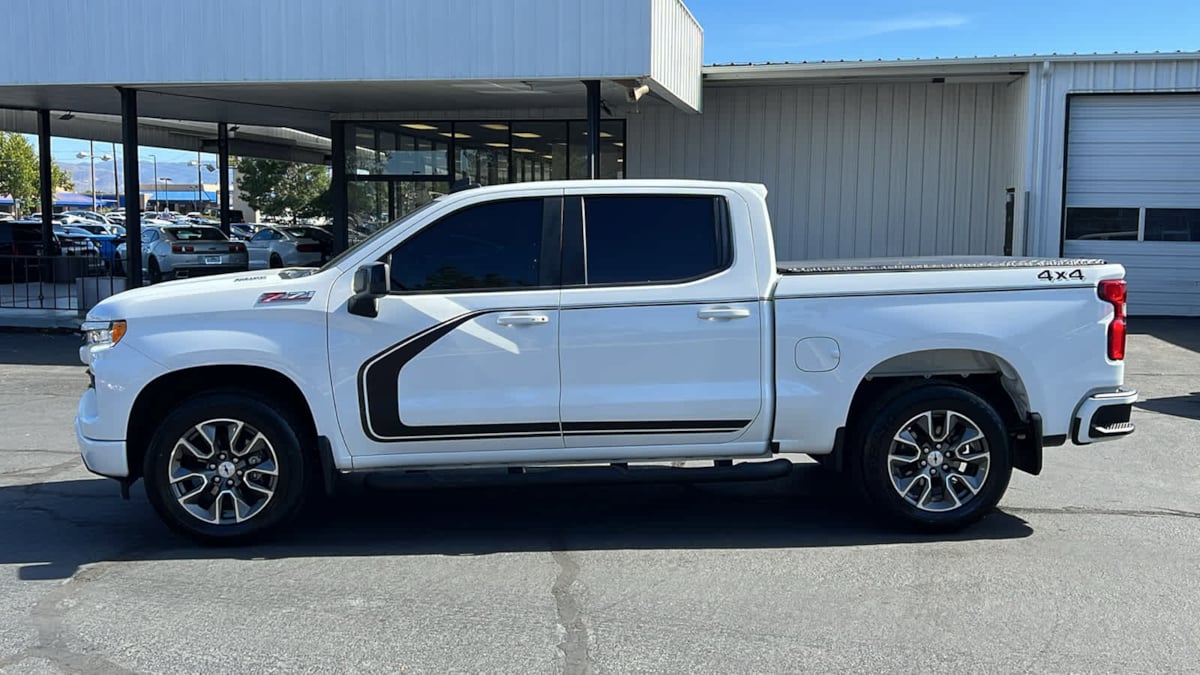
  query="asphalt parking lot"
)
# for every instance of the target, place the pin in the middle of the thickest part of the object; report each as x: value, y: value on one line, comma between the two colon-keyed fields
x: 1091, y: 567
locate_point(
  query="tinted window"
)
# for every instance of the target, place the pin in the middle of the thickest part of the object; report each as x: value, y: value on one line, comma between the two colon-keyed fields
x: 265, y: 235
x: 497, y: 245
x: 1111, y: 224
x: 1172, y: 225
x: 638, y: 240
x: 150, y: 235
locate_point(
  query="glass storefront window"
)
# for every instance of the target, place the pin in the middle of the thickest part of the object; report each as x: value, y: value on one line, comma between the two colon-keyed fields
x: 375, y: 203
x: 612, y: 149
x: 539, y: 151
x: 399, y: 149
x: 481, y: 152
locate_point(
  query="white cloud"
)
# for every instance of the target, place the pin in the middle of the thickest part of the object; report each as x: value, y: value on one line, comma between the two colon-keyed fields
x: 825, y: 31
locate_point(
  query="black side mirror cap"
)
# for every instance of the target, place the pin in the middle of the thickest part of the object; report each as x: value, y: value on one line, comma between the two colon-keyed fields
x: 370, y: 284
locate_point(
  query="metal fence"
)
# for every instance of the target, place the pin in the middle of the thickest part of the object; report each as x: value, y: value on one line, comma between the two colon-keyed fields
x: 57, y: 282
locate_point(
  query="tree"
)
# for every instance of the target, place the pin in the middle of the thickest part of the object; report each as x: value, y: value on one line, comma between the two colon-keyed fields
x: 19, y: 170
x: 283, y: 188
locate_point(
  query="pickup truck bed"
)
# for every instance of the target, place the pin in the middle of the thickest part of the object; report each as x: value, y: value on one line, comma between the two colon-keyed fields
x: 926, y: 264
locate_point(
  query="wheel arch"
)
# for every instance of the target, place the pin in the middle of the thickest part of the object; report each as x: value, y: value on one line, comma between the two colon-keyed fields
x: 164, y: 392
x: 989, y: 375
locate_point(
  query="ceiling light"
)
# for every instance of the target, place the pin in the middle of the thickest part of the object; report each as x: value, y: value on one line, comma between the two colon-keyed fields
x: 619, y: 144
x: 420, y: 127
x: 454, y: 135
x: 495, y: 127
x: 496, y: 145
x: 526, y: 134
x: 620, y: 161
x: 524, y: 150
x: 548, y: 156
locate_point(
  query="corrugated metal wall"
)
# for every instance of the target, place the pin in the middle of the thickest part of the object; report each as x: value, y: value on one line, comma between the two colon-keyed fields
x: 853, y: 170
x: 676, y: 51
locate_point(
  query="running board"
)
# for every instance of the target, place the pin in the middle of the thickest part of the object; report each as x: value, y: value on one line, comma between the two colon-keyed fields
x: 576, y: 475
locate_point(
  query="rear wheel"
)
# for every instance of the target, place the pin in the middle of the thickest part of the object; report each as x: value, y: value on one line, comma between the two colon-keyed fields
x: 276, y: 261
x: 935, y: 457
x: 154, y: 270
x: 226, y: 468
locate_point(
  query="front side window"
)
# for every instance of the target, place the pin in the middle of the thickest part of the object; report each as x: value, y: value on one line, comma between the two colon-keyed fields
x: 652, y: 239
x: 265, y: 235
x: 490, y: 246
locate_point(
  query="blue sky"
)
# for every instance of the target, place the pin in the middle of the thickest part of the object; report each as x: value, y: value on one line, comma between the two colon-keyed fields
x: 802, y: 30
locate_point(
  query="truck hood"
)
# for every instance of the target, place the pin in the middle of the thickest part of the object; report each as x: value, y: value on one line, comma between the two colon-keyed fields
x: 238, y: 290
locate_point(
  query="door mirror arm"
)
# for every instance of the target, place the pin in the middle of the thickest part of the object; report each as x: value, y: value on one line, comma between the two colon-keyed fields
x: 370, y: 284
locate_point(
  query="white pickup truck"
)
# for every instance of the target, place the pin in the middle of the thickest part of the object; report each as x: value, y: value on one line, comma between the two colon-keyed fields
x: 600, y: 330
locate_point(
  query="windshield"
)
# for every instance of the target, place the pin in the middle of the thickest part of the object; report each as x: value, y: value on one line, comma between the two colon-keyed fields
x: 333, y: 262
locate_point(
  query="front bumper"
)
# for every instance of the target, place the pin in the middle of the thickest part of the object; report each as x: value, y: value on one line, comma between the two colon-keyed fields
x: 104, y: 458
x: 1104, y: 417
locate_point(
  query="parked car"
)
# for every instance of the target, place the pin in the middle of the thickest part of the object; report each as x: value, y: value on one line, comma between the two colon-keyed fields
x: 288, y: 247
x: 101, y: 236
x: 92, y: 216
x: 243, y: 231
x: 491, y: 328
x: 21, y: 247
x: 181, y: 251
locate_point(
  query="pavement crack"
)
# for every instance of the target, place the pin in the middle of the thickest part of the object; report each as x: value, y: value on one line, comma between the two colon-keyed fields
x: 574, y: 646
x: 1134, y: 513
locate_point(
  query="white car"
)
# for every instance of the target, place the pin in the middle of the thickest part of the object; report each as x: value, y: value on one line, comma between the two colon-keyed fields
x: 181, y: 251
x: 600, y: 330
x: 287, y: 246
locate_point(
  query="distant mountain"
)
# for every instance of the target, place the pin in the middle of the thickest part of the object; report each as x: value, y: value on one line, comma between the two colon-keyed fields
x: 178, y: 172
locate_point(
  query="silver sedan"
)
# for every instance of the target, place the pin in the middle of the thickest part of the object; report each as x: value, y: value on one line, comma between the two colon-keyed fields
x: 181, y: 251
x: 288, y: 246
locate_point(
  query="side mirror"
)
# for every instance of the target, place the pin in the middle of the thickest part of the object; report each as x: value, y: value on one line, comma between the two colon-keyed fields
x: 370, y: 284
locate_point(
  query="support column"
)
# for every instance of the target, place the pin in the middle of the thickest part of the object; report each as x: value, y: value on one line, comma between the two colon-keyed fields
x: 593, y: 125
x: 223, y: 168
x: 133, y: 191
x: 46, y: 192
x: 338, y: 187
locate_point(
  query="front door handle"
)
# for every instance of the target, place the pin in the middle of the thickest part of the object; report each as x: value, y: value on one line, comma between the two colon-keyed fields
x: 723, y: 313
x: 522, y: 319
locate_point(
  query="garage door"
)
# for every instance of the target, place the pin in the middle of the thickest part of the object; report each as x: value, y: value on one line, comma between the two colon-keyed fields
x: 1133, y: 194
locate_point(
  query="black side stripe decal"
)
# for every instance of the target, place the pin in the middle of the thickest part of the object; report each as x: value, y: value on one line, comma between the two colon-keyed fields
x: 379, y: 404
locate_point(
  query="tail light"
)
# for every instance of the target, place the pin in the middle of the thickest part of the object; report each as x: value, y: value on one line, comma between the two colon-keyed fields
x: 308, y: 248
x: 1114, y: 292
x: 237, y: 247
x: 179, y: 248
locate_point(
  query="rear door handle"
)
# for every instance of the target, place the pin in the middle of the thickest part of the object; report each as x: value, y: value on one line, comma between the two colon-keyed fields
x: 723, y: 313
x: 522, y: 319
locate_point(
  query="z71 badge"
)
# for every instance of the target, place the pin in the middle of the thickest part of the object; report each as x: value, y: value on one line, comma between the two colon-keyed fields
x: 289, y: 296
x: 1061, y: 275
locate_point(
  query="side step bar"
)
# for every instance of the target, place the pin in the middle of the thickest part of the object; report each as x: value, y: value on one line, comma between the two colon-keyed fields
x: 577, y: 475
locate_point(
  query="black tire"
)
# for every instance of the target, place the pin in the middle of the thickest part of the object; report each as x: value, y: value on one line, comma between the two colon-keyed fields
x: 294, y: 462
x: 869, y: 465
x: 117, y: 268
x: 276, y: 261
x: 155, y: 273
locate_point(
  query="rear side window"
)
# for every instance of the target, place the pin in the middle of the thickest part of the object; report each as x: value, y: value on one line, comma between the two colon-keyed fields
x: 491, y: 246
x: 636, y: 239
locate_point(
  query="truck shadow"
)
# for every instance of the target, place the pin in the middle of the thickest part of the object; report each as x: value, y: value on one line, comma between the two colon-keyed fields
x: 53, y: 529
x: 1179, y: 331
x: 1186, y: 406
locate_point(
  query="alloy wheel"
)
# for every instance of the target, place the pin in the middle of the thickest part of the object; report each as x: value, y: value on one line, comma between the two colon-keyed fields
x: 939, y: 460
x: 223, y: 471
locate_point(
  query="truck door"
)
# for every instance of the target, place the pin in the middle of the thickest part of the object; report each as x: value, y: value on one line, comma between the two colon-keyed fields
x: 463, y: 356
x: 661, y: 335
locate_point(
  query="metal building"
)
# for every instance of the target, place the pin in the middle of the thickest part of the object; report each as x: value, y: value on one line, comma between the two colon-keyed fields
x: 1039, y: 156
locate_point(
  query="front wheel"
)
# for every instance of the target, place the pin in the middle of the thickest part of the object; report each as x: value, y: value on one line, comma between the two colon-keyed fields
x: 935, y: 457
x: 225, y: 468
x: 155, y: 272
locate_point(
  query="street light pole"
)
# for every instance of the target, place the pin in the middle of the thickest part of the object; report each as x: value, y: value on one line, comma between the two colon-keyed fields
x: 165, y: 179
x: 157, y: 199
x: 92, y: 157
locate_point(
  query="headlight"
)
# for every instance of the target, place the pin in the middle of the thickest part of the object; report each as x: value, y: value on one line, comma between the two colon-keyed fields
x: 103, y: 333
